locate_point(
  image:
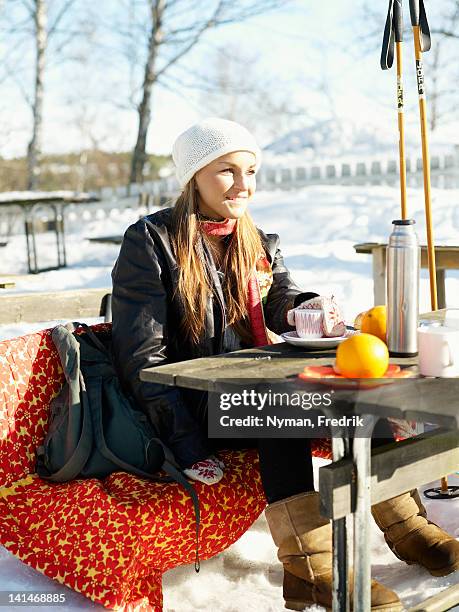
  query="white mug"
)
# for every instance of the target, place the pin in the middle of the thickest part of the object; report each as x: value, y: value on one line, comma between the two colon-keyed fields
x: 452, y: 318
x: 438, y: 348
x: 309, y: 323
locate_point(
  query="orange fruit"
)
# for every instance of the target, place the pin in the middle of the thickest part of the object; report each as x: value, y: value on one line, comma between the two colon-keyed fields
x: 374, y: 322
x: 362, y: 356
x: 358, y: 319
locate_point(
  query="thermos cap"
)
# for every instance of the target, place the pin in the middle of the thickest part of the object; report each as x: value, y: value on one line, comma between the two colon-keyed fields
x: 403, y: 222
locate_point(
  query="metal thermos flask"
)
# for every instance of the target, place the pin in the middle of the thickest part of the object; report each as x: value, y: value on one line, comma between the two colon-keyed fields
x: 403, y: 261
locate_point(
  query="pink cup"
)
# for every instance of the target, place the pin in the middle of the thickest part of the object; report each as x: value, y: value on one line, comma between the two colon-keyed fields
x: 309, y: 323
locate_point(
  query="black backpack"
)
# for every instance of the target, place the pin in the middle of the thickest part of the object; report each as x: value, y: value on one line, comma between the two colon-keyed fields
x: 95, y: 429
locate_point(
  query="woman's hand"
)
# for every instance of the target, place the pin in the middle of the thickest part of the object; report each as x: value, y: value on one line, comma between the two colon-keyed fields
x: 333, y: 321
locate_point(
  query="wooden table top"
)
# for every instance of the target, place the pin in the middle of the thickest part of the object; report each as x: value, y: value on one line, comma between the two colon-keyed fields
x: 434, y: 399
x: 368, y: 247
x: 27, y: 199
x: 446, y: 257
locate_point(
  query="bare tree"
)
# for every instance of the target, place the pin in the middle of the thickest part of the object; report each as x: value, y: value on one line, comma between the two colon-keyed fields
x: 260, y: 100
x: 150, y: 76
x: 176, y: 27
x: 30, y: 21
x: 36, y: 144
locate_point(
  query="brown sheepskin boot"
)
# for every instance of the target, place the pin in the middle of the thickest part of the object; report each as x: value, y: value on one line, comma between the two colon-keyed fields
x: 304, y: 541
x: 413, y: 538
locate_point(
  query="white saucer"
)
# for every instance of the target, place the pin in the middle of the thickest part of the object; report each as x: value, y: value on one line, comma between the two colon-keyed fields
x: 320, y: 343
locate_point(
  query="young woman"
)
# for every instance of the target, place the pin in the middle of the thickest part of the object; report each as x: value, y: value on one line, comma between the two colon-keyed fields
x: 200, y: 279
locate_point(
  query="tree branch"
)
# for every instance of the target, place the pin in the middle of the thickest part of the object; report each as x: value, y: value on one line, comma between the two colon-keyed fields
x: 29, y: 8
x: 208, y: 24
x: 216, y: 21
x: 13, y: 75
x: 446, y: 33
x: 59, y: 17
x: 20, y: 26
x: 178, y: 92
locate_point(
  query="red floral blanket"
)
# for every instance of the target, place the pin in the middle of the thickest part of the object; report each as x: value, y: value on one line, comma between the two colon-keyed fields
x: 112, y: 539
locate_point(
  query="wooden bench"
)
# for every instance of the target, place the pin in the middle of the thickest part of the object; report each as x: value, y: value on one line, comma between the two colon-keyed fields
x: 7, y: 282
x: 51, y: 306
x: 446, y: 258
x: 107, y: 239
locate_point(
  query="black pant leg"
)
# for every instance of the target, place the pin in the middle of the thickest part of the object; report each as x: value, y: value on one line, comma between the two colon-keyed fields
x: 382, y: 434
x: 286, y: 464
x: 285, y: 467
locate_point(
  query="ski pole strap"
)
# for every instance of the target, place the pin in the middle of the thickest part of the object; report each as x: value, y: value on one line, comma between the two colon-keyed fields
x: 419, y: 18
x: 393, y: 32
x: 387, y: 51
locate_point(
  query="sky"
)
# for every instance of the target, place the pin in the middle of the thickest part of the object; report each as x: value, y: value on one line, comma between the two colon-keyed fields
x: 297, y: 47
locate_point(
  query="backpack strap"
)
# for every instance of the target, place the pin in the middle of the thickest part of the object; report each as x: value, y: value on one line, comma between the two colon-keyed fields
x: 177, y: 474
x: 74, y: 465
x: 169, y: 465
x: 72, y: 327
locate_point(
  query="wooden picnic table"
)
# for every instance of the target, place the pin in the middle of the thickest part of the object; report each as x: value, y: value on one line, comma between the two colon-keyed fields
x: 446, y: 258
x: 29, y: 203
x: 357, y: 477
x: 118, y: 239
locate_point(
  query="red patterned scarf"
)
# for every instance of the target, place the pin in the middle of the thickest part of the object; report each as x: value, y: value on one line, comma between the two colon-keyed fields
x: 218, y: 228
x: 259, y: 282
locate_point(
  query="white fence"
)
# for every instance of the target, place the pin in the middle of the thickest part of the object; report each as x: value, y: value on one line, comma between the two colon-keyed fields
x: 141, y: 198
x: 444, y: 174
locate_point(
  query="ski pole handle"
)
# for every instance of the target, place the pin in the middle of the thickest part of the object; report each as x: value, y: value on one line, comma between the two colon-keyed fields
x: 419, y: 19
x: 414, y: 12
x: 398, y: 21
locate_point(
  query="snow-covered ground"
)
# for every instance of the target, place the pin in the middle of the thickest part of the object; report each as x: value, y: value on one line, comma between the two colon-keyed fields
x: 318, y: 227
x: 247, y: 577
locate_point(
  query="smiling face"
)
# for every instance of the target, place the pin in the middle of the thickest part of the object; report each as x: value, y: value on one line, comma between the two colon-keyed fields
x: 226, y: 185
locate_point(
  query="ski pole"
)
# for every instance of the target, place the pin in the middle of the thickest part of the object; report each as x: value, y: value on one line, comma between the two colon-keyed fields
x: 393, y: 32
x: 421, y: 35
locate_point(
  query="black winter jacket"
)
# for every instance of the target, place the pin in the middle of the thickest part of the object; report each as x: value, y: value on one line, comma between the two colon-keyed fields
x: 146, y: 320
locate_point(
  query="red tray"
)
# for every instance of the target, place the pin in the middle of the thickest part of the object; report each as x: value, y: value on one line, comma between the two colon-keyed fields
x: 326, y: 375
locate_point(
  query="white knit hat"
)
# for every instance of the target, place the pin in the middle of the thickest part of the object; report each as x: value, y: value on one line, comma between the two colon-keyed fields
x: 205, y: 141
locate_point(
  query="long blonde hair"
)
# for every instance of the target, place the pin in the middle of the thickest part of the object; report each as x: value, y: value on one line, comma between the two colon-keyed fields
x: 194, y: 285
